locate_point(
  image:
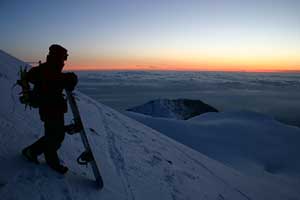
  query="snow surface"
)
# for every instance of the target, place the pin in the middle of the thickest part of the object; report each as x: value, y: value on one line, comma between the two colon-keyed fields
x: 136, y: 161
x: 252, y: 143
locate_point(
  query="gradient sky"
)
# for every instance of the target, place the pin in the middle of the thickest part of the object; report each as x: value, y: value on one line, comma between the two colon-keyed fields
x: 213, y: 35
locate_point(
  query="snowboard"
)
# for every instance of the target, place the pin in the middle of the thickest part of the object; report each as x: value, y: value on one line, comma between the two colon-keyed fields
x: 88, y: 150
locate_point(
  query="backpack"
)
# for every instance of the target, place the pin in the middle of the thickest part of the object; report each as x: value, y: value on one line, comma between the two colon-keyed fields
x: 28, y: 96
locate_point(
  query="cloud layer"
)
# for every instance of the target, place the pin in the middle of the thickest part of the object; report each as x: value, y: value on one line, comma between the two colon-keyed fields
x: 275, y: 94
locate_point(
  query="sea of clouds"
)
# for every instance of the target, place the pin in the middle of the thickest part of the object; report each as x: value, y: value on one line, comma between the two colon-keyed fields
x: 275, y: 94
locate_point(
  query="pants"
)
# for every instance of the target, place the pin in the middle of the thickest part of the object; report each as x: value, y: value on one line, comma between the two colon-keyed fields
x: 50, y: 142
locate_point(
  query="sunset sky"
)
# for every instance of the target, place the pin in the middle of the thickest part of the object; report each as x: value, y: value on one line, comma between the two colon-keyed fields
x: 238, y: 35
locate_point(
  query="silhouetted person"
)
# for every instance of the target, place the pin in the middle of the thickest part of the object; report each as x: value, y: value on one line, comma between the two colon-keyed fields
x: 49, y: 81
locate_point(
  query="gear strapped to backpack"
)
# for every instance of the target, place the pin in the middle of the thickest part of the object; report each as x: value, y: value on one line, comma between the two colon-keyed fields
x: 28, y: 96
x: 44, y: 90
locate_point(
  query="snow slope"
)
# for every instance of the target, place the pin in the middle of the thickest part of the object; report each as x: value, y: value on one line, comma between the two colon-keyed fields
x: 136, y: 161
x: 250, y: 142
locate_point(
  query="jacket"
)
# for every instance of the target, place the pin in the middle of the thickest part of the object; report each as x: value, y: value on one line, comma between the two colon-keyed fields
x: 49, y: 84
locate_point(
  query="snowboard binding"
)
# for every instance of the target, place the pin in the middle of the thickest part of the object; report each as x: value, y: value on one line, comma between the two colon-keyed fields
x: 73, y: 128
x: 85, y: 157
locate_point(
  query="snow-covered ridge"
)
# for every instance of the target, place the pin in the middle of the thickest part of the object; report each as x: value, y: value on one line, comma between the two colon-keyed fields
x: 136, y: 161
x: 250, y: 142
x: 9, y: 66
x: 173, y: 108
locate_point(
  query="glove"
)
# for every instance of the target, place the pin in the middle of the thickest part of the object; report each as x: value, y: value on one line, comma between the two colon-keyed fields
x: 70, y: 80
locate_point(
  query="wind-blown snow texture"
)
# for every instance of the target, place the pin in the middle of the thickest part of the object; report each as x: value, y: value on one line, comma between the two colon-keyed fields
x: 173, y: 108
x: 252, y: 143
x: 137, y: 162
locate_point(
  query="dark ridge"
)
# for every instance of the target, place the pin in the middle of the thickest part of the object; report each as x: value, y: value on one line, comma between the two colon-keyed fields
x: 173, y: 108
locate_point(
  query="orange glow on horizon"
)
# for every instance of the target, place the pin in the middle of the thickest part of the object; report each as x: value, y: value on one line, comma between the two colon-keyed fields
x: 169, y: 60
x: 187, y: 68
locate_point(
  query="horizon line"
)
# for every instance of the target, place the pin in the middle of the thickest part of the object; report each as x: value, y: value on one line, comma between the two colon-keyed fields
x: 189, y: 70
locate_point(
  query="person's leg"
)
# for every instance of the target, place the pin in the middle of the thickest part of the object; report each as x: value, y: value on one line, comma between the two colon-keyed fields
x: 34, y: 150
x: 37, y: 147
x: 54, y: 136
x: 49, y: 143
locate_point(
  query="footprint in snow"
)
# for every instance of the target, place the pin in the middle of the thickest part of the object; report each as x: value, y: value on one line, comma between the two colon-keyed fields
x: 154, y: 161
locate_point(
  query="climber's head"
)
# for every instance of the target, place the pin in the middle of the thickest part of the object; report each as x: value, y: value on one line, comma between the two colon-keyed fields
x: 57, y: 56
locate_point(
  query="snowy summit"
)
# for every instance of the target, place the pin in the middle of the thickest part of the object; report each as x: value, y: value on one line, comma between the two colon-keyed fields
x: 173, y: 108
x: 136, y: 161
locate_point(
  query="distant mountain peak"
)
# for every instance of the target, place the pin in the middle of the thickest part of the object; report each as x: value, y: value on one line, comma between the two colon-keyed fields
x: 173, y: 108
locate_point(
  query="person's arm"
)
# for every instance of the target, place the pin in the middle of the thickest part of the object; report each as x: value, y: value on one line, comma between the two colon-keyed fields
x: 70, y: 80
